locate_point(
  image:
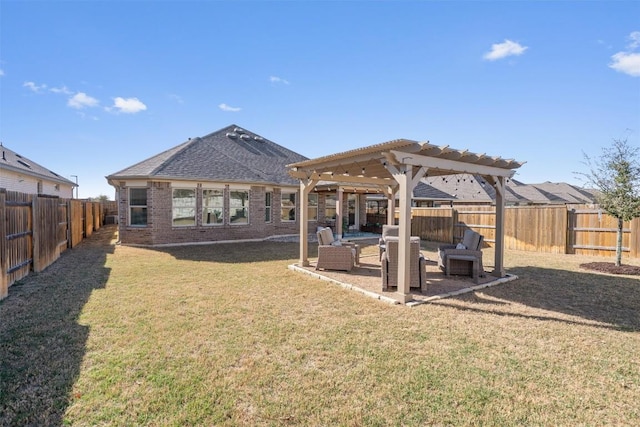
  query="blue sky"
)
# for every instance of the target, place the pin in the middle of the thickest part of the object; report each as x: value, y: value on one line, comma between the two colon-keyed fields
x: 89, y: 88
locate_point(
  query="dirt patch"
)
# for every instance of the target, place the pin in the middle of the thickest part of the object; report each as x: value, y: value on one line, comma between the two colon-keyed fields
x: 611, y: 268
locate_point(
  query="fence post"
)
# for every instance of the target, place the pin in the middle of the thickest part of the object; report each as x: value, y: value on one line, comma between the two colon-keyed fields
x: 35, y: 233
x: 454, y: 222
x: 4, y: 280
x: 634, y: 238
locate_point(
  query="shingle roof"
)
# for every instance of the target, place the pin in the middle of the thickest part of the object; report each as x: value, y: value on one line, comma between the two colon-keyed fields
x: 428, y: 192
x: 230, y: 154
x: 566, y: 192
x: 463, y: 187
x: 18, y: 163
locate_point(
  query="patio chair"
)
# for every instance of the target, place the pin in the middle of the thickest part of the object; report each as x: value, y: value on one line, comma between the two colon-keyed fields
x: 417, y: 264
x: 336, y: 254
x: 387, y: 231
x: 463, y: 259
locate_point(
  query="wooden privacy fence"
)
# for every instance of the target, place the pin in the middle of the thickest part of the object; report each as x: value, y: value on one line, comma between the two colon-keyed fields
x: 551, y: 229
x: 35, y: 230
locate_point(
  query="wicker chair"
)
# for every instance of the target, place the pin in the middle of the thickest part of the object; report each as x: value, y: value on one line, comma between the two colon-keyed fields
x: 417, y: 265
x: 335, y: 254
x: 462, y: 261
x: 387, y: 231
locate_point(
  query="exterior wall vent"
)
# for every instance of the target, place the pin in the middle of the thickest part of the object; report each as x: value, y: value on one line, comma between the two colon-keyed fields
x: 232, y: 135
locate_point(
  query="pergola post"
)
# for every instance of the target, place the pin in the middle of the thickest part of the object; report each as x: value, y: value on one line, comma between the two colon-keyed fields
x: 339, y: 214
x: 498, y: 270
x: 391, y: 205
x: 403, y: 177
x: 305, y: 188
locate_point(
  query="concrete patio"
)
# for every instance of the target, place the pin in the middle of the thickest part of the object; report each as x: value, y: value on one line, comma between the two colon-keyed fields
x: 366, y: 277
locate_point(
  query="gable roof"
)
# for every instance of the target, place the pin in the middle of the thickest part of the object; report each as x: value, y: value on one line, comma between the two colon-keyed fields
x: 18, y: 163
x: 231, y: 154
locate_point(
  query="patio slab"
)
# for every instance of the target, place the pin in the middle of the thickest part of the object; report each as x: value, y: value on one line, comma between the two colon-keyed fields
x: 366, y: 279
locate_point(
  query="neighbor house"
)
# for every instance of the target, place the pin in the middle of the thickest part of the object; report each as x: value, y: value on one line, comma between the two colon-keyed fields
x: 17, y: 173
x: 229, y: 185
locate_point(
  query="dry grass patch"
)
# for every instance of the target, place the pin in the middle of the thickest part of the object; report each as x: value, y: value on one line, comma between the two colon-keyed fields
x: 227, y: 335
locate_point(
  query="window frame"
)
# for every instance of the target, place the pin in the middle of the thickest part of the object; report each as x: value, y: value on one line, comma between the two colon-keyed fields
x: 312, y: 207
x: 328, y: 207
x: 209, y: 209
x: 268, y: 207
x: 193, y: 207
x: 145, y: 207
x: 245, y: 207
x: 287, y: 217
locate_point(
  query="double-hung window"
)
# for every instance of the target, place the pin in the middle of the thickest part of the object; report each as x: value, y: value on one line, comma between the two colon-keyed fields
x: 288, y: 206
x: 330, y: 206
x: 212, y: 207
x: 184, y: 207
x: 239, y: 207
x: 138, y: 206
x: 268, y: 201
x: 312, y: 210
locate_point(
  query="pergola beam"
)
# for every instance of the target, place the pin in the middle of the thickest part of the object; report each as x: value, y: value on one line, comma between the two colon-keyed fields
x: 453, y: 166
x: 325, y: 176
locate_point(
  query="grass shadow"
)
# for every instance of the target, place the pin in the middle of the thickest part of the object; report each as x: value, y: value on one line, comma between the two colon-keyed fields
x: 41, y: 343
x: 611, y: 301
x: 238, y: 252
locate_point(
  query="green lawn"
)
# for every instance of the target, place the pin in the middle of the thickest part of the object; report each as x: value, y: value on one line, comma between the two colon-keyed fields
x: 227, y: 335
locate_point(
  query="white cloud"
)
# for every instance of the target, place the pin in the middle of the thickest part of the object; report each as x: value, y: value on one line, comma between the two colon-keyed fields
x: 81, y: 100
x: 34, y: 87
x: 635, y: 40
x: 225, y: 107
x: 626, y: 62
x: 275, y: 80
x: 176, y: 98
x: 502, y: 50
x: 63, y: 90
x: 127, y: 105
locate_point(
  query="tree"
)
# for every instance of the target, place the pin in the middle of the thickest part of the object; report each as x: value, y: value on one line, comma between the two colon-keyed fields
x: 100, y: 198
x: 616, y: 175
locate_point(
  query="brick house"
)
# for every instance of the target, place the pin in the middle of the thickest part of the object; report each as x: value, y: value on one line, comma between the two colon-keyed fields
x: 17, y: 173
x: 232, y: 184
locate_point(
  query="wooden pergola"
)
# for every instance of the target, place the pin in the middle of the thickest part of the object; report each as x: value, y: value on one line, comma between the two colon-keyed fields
x: 395, y: 167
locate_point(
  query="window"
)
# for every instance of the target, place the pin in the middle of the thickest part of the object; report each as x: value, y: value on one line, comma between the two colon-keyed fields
x: 312, y: 209
x: 330, y: 206
x: 268, y: 198
x: 212, y: 207
x: 138, y: 206
x: 39, y: 187
x: 288, y: 206
x: 239, y: 207
x: 184, y: 207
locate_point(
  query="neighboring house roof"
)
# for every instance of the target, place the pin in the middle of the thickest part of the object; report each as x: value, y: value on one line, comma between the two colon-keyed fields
x: 231, y: 154
x: 566, y: 192
x: 466, y: 188
x: 15, y: 162
x: 424, y: 191
x: 463, y: 187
